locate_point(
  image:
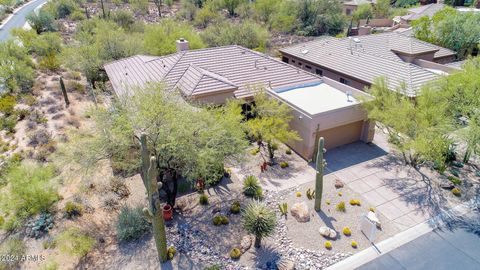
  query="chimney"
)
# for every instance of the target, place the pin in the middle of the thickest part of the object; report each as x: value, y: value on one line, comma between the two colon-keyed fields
x: 182, y: 45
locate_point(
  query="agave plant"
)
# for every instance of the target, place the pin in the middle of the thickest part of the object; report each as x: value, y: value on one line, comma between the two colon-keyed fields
x: 259, y: 220
x: 251, y: 187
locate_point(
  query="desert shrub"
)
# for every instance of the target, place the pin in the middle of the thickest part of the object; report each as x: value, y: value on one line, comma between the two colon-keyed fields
x: 30, y: 191
x: 206, y: 16
x: 203, y: 199
x: 246, y: 34
x: 73, y: 121
x: 7, y: 104
x: 73, y: 209
x: 327, y: 202
x: 235, y: 207
x: 160, y: 38
x: 288, y: 152
x: 328, y: 245
x: 39, y: 138
x: 354, y: 244
x: 298, y: 194
x: 455, y: 172
x: 16, y: 69
x: 346, y: 231
x: 283, y: 164
x: 371, y: 209
x: 49, y: 62
x: 171, y: 251
x: 139, y: 6
x: 455, y: 180
x: 73, y: 86
x: 235, y: 254
x: 254, y: 151
x: 75, y: 242
x: 13, y: 247
x: 49, y: 243
x: 355, y: 202
x: 41, y: 21
x: 110, y: 201
x: 73, y: 75
x: 131, y: 224
x: 457, y: 192
x: 49, y: 265
x: 123, y: 18
x: 119, y: 187
x: 251, y: 187
x: 340, y: 194
x: 213, y: 267
x: 340, y: 207
x: 39, y: 226
x: 77, y: 15
x: 220, y: 220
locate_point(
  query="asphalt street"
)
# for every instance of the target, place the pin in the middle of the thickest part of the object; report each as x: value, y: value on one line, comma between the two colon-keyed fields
x: 18, y: 19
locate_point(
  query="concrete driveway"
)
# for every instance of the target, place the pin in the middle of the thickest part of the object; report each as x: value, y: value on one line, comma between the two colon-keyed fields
x: 457, y: 248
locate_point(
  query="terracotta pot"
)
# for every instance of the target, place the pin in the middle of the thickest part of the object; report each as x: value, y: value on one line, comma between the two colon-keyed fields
x: 167, y: 212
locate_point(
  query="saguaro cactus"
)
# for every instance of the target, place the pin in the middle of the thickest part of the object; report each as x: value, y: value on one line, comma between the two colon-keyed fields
x: 64, y: 92
x: 154, y: 211
x: 320, y: 163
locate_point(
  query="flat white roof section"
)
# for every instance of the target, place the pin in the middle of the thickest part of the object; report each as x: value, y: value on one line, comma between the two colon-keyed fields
x: 319, y: 98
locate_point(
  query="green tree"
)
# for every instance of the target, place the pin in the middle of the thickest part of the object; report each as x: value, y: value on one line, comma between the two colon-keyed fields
x: 246, y: 34
x: 459, y: 31
x: 382, y: 9
x: 231, y: 6
x: 187, y: 141
x: 41, y: 22
x: 317, y: 17
x: 160, y: 38
x: 363, y: 11
x: 419, y: 129
x: 16, y: 68
x: 259, y: 220
x: 271, y: 123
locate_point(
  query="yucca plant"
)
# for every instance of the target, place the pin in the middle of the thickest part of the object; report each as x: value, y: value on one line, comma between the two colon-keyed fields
x: 259, y: 220
x: 251, y: 187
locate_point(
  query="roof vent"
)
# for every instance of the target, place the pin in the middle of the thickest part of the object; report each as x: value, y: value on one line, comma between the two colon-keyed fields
x: 304, y: 51
x: 349, y: 94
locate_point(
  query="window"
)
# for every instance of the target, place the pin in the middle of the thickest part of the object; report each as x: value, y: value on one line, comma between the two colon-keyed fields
x: 293, y: 61
x: 349, y: 11
x: 307, y: 66
x: 285, y: 59
x: 299, y: 64
x: 319, y: 72
x: 344, y: 81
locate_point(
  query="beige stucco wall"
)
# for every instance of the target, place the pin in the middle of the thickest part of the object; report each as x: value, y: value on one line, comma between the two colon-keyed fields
x: 215, y: 98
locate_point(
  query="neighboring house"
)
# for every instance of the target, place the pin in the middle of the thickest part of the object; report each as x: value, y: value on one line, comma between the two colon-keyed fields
x: 349, y: 7
x: 418, y: 12
x: 358, y: 61
x: 215, y: 74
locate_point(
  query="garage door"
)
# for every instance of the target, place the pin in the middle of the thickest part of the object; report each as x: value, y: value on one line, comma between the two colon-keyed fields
x: 342, y: 134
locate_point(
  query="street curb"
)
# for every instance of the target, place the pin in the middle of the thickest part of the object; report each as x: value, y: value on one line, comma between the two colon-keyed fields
x: 395, y: 241
x: 14, y: 12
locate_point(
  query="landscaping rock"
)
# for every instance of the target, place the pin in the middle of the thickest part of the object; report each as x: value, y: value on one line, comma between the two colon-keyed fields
x: 373, y: 218
x: 300, y: 212
x: 339, y: 183
x: 447, y: 185
x: 285, y: 264
x: 245, y: 244
x: 327, y: 232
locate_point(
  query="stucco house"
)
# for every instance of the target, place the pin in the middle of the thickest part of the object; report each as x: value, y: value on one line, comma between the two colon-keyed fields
x: 320, y: 106
x: 358, y: 61
x: 349, y: 7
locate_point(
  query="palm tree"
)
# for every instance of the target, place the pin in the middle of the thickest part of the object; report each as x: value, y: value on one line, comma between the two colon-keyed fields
x: 259, y: 221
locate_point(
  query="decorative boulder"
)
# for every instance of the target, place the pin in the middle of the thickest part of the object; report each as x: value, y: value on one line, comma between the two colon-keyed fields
x: 285, y: 264
x: 300, y: 212
x: 245, y: 243
x: 373, y: 218
x: 447, y: 185
x: 327, y: 232
x: 338, y: 183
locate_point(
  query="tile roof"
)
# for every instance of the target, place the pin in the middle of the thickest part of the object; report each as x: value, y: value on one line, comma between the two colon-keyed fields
x: 359, y: 2
x: 371, y: 57
x: 426, y: 10
x: 205, y: 71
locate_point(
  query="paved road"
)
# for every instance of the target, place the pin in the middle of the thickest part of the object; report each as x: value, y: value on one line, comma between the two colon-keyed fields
x: 18, y: 19
x: 439, y: 250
